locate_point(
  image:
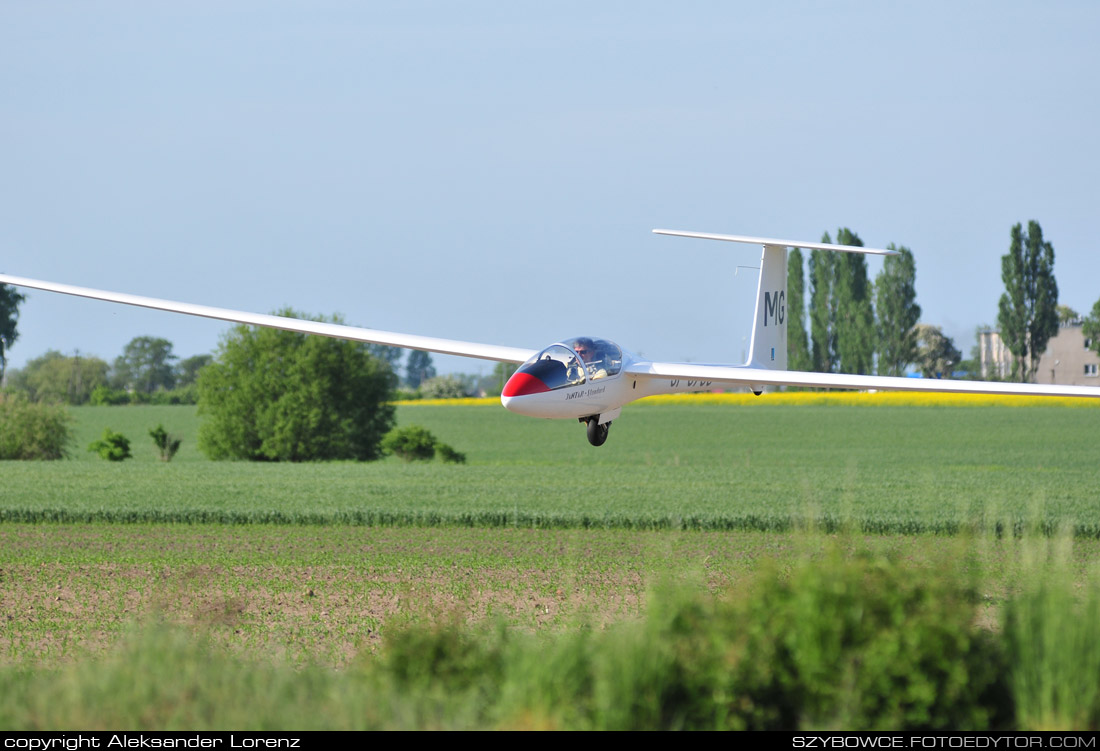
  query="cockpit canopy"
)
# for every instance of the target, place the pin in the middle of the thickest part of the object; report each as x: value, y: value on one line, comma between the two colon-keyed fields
x: 601, y: 358
x: 570, y: 363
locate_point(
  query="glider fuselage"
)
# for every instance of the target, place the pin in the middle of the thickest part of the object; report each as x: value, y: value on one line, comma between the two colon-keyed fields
x: 584, y: 377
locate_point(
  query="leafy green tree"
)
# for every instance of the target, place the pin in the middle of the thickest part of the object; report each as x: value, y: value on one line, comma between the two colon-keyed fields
x: 1091, y: 328
x: 419, y: 368
x: 493, y: 384
x: 1067, y: 315
x: 823, y: 304
x: 855, y: 318
x: 936, y: 352
x: 145, y: 365
x: 273, y: 395
x: 187, y: 371
x: 898, y: 312
x: 391, y: 355
x: 10, y: 300
x: 1028, y: 310
x: 798, y: 345
x: 57, y: 378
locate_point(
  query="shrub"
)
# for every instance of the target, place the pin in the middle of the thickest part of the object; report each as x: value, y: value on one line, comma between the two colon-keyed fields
x: 105, y: 396
x: 863, y: 643
x: 33, y: 431
x: 166, y: 443
x: 448, y: 454
x: 112, y: 446
x: 411, y: 443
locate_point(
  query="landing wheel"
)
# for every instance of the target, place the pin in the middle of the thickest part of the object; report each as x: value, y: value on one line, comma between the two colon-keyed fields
x: 597, y: 433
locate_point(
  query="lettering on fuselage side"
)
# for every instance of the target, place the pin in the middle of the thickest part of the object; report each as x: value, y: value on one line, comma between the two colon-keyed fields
x: 690, y: 383
x: 585, y: 392
x: 775, y: 305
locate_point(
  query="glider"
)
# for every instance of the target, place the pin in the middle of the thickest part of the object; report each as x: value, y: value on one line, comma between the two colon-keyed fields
x: 589, y: 379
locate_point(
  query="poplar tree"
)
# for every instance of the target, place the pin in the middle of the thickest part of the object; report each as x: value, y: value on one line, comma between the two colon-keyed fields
x: 855, y: 318
x: 822, y: 309
x: 419, y: 368
x: 1028, y: 310
x: 9, y: 315
x: 898, y: 312
x: 798, y: 347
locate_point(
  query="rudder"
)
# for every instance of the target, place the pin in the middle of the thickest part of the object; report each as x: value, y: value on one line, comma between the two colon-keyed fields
x: 768, y: 348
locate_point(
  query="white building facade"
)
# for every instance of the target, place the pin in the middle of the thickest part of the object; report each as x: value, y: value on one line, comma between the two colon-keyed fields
x: 1069, y: 359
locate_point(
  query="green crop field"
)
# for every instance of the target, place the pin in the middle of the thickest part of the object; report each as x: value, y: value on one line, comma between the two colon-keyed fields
x: 267, y: 576
x: 882, y: 469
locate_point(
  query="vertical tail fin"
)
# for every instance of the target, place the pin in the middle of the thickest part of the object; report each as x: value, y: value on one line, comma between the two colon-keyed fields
x: 769, y: 328
x: 768, y: 348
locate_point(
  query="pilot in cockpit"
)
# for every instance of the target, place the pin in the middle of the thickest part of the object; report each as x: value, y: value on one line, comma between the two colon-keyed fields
x: 594, y: 362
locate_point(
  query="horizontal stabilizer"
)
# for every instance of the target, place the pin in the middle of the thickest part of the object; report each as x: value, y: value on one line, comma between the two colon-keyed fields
x: 778, y: 243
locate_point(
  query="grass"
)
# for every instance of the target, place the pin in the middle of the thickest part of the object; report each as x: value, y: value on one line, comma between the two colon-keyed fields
x: 892, y: 469
x: 323, y: 594
x: 202, y: 628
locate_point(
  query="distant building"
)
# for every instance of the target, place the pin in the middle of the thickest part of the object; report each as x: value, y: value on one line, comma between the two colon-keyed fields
x: 1068, y: 360
x: 993, y: 355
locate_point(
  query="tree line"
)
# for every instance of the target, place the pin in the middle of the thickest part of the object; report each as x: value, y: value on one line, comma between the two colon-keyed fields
x: 856, y: 327
x: 147, y: 371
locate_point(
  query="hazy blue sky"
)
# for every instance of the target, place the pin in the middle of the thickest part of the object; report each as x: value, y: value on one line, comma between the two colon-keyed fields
x: 492, y: 171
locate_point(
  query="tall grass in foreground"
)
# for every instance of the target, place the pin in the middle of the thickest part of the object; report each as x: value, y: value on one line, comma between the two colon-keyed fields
x: 835, y: 640
x: 1052, y: 632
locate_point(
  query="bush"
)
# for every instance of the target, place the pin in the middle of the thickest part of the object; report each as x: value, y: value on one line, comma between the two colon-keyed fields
x: 862, y: 643
x: 166, y: 443
x: 273, y: 395
x: 33, y: 431
x: 411, y: 443
x: 449, y: 455
x: 415, y: 443
x: 105, y: 396
x: 112, y: 446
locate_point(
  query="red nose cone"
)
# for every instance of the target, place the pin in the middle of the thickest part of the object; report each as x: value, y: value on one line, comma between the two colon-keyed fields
x: 522, y: 384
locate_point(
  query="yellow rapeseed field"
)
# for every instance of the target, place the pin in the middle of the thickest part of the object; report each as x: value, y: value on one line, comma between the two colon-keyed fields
x: 874, y: 399
x: 836, y: 398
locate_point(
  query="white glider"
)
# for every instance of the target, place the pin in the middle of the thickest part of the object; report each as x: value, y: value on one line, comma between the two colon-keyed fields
x: 589, y: 379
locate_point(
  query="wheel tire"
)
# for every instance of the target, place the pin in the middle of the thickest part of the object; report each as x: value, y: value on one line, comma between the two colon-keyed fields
x: 597, y: 434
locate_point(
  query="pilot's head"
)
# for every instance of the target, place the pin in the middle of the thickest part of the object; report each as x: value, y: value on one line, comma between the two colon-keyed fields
x: 585, y: 348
